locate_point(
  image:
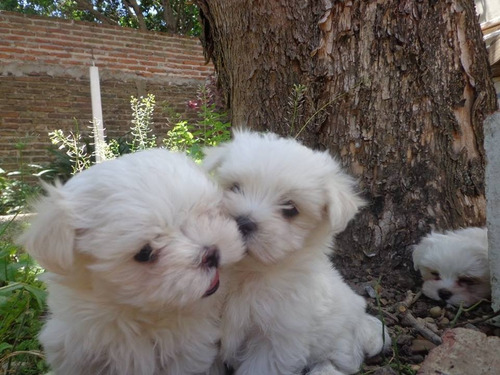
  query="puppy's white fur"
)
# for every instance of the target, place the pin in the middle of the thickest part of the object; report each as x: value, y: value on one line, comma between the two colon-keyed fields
x: 287, y: 307
x: 454, y: 265
x: 111, y: 313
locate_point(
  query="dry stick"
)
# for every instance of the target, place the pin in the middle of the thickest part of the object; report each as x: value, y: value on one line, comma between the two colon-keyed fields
x: 479, y: 320
x: 393, y: 318
x: 409, y: 319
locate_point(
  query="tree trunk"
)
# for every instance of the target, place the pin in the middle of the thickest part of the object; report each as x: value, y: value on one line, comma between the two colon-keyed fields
x: 397, y: 89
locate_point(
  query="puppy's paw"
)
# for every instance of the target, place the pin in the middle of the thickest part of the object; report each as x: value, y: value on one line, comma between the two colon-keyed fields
x: 324, y: 368
x: 373, y: 336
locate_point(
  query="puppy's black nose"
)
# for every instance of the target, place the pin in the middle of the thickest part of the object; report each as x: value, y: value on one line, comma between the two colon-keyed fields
x: 444, y: 294
x: 245, y: 225
x: 211, y: 257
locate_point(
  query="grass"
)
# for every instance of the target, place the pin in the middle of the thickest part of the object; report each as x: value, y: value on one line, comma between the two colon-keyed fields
x: 22, y: 305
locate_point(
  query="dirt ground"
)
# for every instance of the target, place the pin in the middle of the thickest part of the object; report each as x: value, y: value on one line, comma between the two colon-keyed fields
x: 416, y: 322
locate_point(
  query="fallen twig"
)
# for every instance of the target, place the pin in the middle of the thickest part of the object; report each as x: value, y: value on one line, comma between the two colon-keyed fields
x: 408, y: 318
x: 479, y: 320
x: 426, y: 332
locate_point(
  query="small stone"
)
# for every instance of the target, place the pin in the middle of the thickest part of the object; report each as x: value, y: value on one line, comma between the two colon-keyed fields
x: 450, y: 315
x: 386, y: 370
x: 416, y: 358
x: 370, y: 291
x: 435, y: 311
x: 404, y: 340
x: 421, y: 346
x: 429, y: 320
x: 444, y: 321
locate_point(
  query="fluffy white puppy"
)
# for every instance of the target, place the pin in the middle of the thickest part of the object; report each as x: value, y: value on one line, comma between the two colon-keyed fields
x: 287, y: 307
x: 454, y: 265
x: 133, y: 247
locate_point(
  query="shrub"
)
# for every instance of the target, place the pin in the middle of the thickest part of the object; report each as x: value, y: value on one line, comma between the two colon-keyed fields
x: 22, y: 299
x: 75, y: 153
x: 15, y: 191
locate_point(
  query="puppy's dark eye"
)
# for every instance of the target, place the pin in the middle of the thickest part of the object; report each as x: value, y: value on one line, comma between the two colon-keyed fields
x: 145, y: 255
x: 235, y: 188
x: 289, y: 210
x: 467, y: 281
x: 435, y: 275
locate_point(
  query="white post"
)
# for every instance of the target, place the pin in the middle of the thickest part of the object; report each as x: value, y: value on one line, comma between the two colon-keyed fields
x: 492, y: 177
x: 95, y: 93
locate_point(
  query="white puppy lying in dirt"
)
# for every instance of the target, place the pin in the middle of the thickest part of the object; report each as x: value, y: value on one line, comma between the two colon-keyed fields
x: 454, y: 265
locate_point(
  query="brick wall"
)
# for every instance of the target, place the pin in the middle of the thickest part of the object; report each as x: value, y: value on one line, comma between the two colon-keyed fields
x: 44, y: 79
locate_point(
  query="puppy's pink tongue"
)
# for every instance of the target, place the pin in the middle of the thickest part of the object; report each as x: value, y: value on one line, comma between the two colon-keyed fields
x: 214, y: 285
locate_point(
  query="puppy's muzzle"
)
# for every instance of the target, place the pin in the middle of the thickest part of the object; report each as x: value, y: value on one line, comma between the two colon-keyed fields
x: 246, y: 226
x: 444, y: 294
x: 211, y: 257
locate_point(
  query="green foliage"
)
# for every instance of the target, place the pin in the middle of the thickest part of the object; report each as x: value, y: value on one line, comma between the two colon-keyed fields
x: 15, y: 186
x: 210, y: 130
x: 14, y: 192
x: 181, y: 16
x: 22, y: 303
x: 75, y: 153
x: 74, y: 147
x: 35, y: 7
x: 295, y: 102
x: 142, y: 123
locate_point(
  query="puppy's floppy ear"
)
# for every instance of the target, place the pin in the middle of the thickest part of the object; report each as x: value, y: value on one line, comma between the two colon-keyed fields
x: 214, y: 156
x: 343, y: 202
x: 50, y: 238
x: 417, y: 255
x: 481, y: 258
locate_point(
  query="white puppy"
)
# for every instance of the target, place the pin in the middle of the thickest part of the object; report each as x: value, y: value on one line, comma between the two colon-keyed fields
x: 288, y: 308
x: 454, y: 265
x: 132, y: 247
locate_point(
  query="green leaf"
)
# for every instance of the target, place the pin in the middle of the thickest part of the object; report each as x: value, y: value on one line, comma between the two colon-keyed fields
x: 39, y: 294
x: 4, y: 346
x: 9, y: 288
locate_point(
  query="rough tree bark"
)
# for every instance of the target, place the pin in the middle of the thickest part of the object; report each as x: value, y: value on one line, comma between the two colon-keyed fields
x: 405, y: 85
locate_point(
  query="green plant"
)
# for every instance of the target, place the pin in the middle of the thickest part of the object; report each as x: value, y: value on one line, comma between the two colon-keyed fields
x: 295, y: 102
x: 15, y: 191
x: 142, y: 123
x: 462, y: 309
x: 17, y: 187
x: 74, y: 147
x: 76, y: 153
x: 22, y: 301
x: 210, y: 130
